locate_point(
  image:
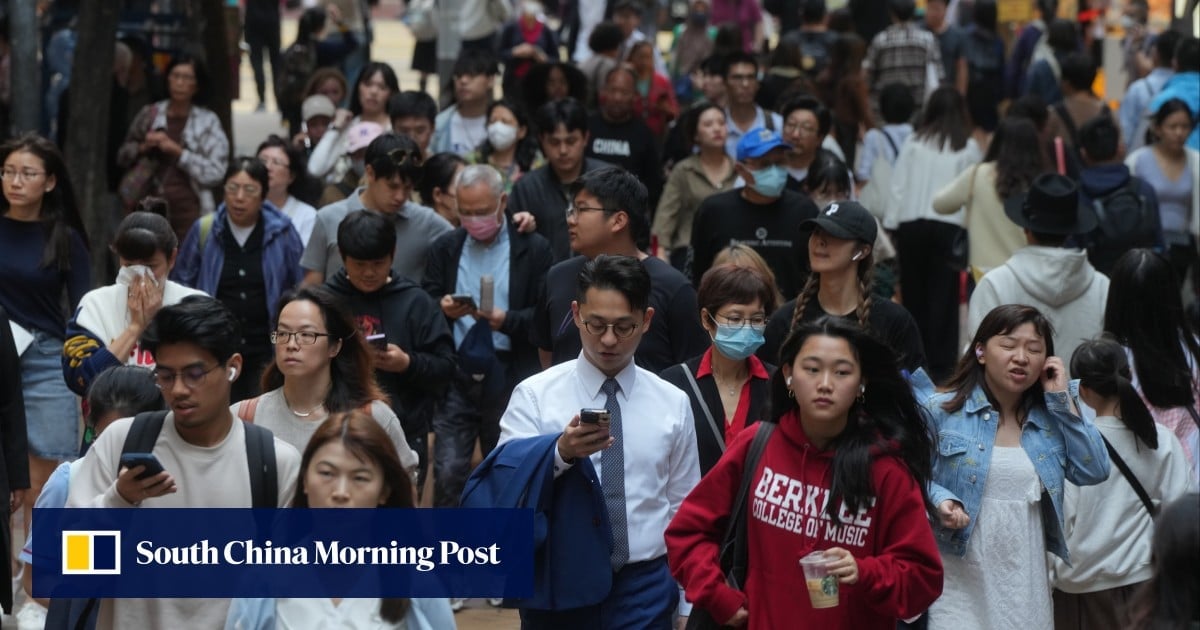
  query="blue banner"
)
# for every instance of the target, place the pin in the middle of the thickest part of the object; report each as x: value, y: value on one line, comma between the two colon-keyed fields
x: 283, y: 553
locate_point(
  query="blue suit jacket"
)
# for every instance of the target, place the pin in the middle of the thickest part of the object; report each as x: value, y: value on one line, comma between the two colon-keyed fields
x: 572, y: 536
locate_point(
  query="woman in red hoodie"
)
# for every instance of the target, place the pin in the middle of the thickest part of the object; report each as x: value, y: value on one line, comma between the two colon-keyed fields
x: 844, y: 473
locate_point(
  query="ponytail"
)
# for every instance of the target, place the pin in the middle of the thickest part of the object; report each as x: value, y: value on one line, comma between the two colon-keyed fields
x: 1134, y: 413
x: 1101, y: 366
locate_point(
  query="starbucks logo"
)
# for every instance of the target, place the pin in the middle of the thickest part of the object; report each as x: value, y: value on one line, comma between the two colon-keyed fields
x: 829, y: 585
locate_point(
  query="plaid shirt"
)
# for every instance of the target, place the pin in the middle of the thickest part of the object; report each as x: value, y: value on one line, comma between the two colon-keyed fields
x: 901, y: 54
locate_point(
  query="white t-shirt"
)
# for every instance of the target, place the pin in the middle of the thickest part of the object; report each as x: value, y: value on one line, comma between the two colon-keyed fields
x: 303, y: 217
x: 466, y: 134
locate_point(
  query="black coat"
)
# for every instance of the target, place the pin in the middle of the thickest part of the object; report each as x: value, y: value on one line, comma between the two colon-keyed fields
x: 528, y: 261
x: 14, y: 457
x: 707, y: 445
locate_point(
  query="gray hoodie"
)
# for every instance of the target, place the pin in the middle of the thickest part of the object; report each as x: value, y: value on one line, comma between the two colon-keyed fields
x: 1059, y: 282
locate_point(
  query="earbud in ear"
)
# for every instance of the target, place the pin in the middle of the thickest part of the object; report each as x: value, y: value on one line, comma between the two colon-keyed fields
x: 857, y: 255
x: 232, y: 374
x: 978, y: 353
x: 788, y: 382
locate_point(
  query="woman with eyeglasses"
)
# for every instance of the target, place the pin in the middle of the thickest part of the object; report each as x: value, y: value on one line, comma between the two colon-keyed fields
x: 287, y: 180
x: 322, y: 366
x: 44, y: 264
x: 842, y: 257
x: 727, y: 384
x: 104, y: 331
x: 180, y: 144
x: 246, y: 254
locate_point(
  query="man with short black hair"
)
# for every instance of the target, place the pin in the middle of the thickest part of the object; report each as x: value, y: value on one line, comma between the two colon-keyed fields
x: 742, y: 113
x: 620, y: 138
x: 903, y: 53
x: 201, y: 446
x: 608, y: 215
x: 542, y: 195
x: 462, y: 127
x: 952, y: 42
x: 414, y: 114
x: 1078, y: 105
x: 393, y: 165
x: 762, y: 214
x: 1102, y: 178
x: 813, y: 37
x: 415, y: 360
x: 1048, y: 274
x: 644, y: 447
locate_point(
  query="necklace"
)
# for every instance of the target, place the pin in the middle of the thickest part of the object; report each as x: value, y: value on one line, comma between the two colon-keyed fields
x: 732, y: 391
x: 302, y: 414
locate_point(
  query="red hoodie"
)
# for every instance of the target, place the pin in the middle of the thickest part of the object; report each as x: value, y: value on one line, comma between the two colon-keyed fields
x: 900, y: 571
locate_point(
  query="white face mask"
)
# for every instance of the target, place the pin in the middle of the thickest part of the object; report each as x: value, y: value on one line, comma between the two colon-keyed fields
x: 501, y: 135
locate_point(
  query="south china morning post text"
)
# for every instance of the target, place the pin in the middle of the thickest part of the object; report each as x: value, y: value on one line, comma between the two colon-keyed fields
x: 283, y: 553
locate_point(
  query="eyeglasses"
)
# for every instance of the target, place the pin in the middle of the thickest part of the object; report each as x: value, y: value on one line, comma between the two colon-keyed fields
x: 304, y: 337
x: 574, y: 210
x: 13, y: 174
x: 804, y: 130
x: 757, y: 322
x: 623, y: 330
x: 275, y: 162
x: 249, y: 189
x: 192, y: 376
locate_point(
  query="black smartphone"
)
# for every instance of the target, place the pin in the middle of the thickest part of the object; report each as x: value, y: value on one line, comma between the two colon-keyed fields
x: 378, y: 341
x: 594, y: 416
x: 133, y: 460
x: 464, y: 299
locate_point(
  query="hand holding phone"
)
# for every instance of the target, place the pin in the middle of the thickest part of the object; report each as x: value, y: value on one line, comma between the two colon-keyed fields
x: 464, y: 299
x: 378, y: 341
x: 146, y: 460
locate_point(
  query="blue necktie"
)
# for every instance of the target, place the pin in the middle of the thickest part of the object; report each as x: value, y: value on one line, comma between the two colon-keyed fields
x: 612, y: 478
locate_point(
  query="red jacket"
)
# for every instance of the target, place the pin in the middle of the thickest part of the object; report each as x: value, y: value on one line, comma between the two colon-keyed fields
x: 900, y: 571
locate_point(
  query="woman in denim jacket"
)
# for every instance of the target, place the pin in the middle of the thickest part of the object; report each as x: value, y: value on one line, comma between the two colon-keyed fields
x: 1006, y: 412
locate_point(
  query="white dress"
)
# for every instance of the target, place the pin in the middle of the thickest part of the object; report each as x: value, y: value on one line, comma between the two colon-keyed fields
x: 1002, y: 582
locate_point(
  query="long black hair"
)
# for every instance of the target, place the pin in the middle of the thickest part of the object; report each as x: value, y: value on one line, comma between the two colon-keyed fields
x: 527, y: 147
x: 59, y: 213
x: 887, y: 414
x: 351, y: 373
x: 944, y: 121
x: 1101, y: 366
x: 1145, y: 314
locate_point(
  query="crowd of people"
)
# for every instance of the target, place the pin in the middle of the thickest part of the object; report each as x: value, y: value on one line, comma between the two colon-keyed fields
x: 699, y: 311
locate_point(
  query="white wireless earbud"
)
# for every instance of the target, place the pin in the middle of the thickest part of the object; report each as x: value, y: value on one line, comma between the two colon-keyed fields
x: 789, y: 381
x: 232, y: 374
x: 857, y: 255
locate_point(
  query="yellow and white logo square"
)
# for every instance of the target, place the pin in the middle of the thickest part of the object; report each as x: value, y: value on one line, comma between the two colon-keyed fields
x: 91, y: 552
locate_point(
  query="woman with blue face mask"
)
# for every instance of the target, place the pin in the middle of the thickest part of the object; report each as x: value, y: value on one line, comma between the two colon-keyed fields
x: 727, y: 384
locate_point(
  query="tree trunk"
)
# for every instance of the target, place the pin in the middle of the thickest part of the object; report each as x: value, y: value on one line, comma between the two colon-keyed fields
x: 25, y: 70
x: 87, y: 127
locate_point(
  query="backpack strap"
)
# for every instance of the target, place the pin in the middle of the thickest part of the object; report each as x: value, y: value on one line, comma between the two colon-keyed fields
x: 206, y: 224
x: 1068, y: 122
x: 1129, y: 476
x: 891, y: 142
x: 143, y: 433
x: 736, y: 575
x: 260, y: 460
x: 246, y: 409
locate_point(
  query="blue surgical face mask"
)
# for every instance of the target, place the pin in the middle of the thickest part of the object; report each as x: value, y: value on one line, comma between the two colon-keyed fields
x: 737, y: 343
x: 769, y: 181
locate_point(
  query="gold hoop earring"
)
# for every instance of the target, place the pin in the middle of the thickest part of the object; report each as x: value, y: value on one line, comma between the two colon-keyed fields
x: 791, y: 394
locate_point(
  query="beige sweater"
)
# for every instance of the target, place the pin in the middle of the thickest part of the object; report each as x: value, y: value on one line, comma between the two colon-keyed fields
x: 214, y: 476
x: 991, y: 235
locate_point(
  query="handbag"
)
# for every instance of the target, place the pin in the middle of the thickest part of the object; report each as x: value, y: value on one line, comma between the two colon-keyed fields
x: 1128, y: 474
x: 735, y: 555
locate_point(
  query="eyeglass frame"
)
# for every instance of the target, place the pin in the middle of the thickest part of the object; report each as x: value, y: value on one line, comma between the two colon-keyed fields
x: 162, y: 384
x: 587, y: 325
x: 574, y: 211
x: 250, y: 189
x: 23, y: 175
x: 742, y: 322
x: 288, y: 335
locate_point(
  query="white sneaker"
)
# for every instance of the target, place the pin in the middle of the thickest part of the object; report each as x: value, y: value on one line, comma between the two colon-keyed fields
x: 496, y: 602
x: 457, y: 603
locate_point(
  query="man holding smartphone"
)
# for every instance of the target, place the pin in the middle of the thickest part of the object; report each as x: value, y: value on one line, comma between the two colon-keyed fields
x: 645, y: 458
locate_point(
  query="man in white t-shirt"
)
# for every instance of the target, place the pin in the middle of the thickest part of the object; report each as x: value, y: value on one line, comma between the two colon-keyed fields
x: 201, y: 447
x: 462, y: 127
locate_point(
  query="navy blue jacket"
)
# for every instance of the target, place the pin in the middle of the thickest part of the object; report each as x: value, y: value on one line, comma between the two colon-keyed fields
x: 571, y: 534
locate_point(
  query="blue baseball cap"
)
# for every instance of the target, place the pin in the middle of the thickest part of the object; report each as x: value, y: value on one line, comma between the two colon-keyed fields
x: 758, y: 142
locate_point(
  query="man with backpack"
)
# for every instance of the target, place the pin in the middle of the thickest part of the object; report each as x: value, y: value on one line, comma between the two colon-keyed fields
x: 208, y: 458
x: 1126, y: 206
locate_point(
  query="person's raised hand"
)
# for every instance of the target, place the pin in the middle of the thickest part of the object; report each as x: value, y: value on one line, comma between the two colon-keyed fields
x: 581, y: 439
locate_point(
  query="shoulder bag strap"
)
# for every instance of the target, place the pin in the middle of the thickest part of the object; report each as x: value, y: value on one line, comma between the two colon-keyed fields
x: 737, y: 519
x: 712, y: 422
x: 887, y: 136
x: 1128, y: 474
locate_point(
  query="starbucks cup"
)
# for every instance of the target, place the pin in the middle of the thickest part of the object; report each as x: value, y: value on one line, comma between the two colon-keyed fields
x: 822, y: 587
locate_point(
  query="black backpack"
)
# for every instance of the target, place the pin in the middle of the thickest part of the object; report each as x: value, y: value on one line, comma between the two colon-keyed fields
x: 1127, y: 220
x: 80, y: 613
x: 299, y: 62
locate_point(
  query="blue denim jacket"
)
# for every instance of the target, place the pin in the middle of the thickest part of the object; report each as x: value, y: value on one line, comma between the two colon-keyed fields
x: 1059, y: 443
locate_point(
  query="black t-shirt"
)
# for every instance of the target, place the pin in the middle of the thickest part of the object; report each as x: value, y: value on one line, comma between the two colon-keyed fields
x: 953, y: 45
x: 631, y: 146
x: 772, y: 230
x: 889, y: 322
x: 675, y: 334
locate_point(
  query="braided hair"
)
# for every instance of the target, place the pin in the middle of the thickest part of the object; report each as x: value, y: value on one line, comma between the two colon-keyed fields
x: 862, y: 312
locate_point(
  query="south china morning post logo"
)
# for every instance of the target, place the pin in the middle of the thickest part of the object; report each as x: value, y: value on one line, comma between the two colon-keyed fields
x: 284, y: 553
x: 91, y: 552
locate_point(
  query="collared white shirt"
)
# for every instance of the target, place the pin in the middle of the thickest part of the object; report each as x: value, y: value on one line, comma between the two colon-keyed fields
x: 658, y: 435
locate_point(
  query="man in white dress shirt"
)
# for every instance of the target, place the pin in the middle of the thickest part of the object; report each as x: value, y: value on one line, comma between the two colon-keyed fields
x: 645, y: 456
